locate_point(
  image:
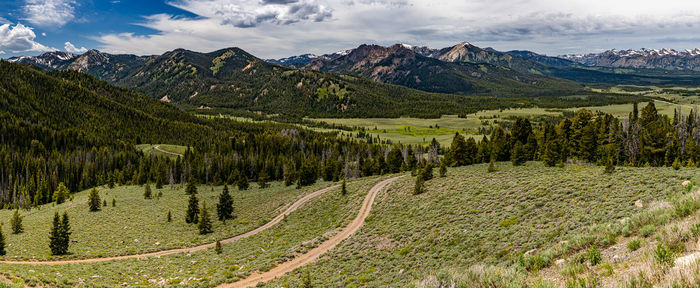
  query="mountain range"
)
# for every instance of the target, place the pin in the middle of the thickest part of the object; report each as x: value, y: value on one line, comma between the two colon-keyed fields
x: 667, y: 59
x: 368, y: 81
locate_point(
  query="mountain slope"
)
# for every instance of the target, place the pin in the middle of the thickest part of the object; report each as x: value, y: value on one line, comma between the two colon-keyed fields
x: 668, y: 59
x: 75, y: 102
x: 445, y: 71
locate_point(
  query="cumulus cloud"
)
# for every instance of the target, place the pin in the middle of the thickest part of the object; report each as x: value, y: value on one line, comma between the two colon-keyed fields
x: 251, y: 13
x: 47, y: 13
x: 19, y: 38
x: 553, y: 27
x: 71, y: 48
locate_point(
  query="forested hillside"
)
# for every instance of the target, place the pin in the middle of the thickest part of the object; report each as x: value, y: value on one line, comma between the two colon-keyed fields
x: 67, y: 127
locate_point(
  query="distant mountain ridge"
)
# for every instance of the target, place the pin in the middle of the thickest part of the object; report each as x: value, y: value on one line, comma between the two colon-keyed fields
x: 668, y: 59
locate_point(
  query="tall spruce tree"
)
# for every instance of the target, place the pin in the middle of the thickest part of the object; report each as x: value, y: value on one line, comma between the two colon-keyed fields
x: 343, y: 188
x: 458, y: 151
x: 204, y: 220
x: 94, y: 201
x: 59, y: 236
x: 192, y: 215
x: 2, y: 243
x: 225, y: 207
x: 16, y: 223
x: 191, y: 187
x: 147, y: 193
x: 61, y: 193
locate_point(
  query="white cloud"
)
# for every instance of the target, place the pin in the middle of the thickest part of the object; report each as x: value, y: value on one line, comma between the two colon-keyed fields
x: 263, y: 28
x: 2, y: 52
x: 20, y: 38
x: 250, y: 13
x: 71, y: 48
x: 4, y: 21
x: 48, y: 13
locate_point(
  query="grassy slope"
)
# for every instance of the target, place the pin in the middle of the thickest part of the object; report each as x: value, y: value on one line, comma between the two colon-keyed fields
x: 301, y: 231
x: 137, y: 225
x: 464, y: 219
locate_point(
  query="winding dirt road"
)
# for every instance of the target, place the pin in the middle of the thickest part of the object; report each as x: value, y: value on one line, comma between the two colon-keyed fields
x: 315, y: 253
x: 274, y: 222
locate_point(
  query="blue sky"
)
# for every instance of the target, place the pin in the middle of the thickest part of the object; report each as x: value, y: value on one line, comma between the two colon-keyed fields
x: 278, y: 28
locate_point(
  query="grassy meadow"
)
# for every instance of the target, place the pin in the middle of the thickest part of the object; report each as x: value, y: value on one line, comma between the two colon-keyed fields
x: 302, y: 230
x: 137, y: 225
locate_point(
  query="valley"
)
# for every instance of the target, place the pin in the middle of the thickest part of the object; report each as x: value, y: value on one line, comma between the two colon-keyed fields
x: 389, y: 165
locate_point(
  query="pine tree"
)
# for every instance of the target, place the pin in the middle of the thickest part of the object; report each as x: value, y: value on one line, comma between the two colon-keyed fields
x: 104, y: 203
x: 609, y: 166
x: 61, y: 193
x: 427, y: 172
x: 676, y: 164
x: 55, y: 236
x: 551, y: 154
x: 242, y: 182
x: 419, y: 188
x: 192, y: 215
x: 94, y: 200
x: 225, y: 207
x: 114, y: 202
x: 343, y: 188
x: 262, y: 180
x: 218, y: 248
x: 2, y: 243
x: 458, y: 151
x: 204, y: 220
x: 191, y: 187
x: 443, y: 169
x: 492, y: 166
x: 169, y: 218
x: 65, y: 233
x: 518, y: 156
x: 16, y: 223
x: 147, y: 194
x: 59, y: 237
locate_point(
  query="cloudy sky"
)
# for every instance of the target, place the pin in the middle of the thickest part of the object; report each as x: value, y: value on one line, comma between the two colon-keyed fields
x: 279, y: 28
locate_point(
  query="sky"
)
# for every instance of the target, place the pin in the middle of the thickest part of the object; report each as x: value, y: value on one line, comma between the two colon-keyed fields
x: 280, y: 28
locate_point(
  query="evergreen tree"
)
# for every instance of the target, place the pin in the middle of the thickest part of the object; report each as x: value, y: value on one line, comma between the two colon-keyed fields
x: 104, y: 203
x: 16, y: 223
x: 147, y: 191
x: 2, y: 243
x: 204, y: 220
x: 262, y: 180
x: 492, y: 166
x: 458, y: 151
x: 191, y: 187
x: 676, y: 164
x: 169, y: 217
x: 394, y: 159
x: 419, y: 187
x: 609, y: 166
x: 225, y: 207
x: 551, y: 154
x: 94, y: 200
x: 343, y: 188
x: 61, y: 193
x: 114, y: 202
x: 308, y: 173
x: 218, y: 248
x: 59, y: 236
x: 242, y: 182
x: 427, y: 172
x: 443, y: 169
x: 192, y: 215
x: 519, y: 155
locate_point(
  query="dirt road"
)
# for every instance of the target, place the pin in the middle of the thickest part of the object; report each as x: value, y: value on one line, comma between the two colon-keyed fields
x: 315, y: 253
x: 274, y: 222
x: 157, y: 147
